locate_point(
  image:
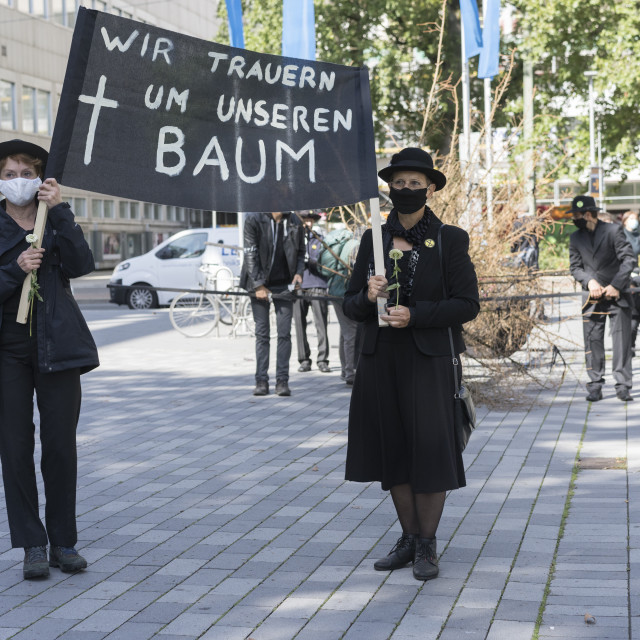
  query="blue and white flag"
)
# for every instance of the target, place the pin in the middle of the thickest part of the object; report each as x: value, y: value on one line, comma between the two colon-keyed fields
x: 471, y: 28
x: 236, y: 33
x: 298, y: 29
x: 490, y: 54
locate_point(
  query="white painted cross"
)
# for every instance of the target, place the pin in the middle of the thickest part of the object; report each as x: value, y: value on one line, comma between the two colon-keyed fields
x: 98, y: 102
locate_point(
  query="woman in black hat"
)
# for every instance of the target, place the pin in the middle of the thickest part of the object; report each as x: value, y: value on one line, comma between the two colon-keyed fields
x: 401, y: 429
x: 45, y: 355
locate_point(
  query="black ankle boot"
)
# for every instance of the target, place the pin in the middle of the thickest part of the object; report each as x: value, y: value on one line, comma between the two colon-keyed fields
x: 425, y: 565
x: 402, y: 553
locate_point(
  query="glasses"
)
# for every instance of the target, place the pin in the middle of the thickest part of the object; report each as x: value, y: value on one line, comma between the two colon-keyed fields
x: 411, y: 184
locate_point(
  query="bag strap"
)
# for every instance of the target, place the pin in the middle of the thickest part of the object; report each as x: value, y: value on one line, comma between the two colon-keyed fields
x: 445, y: 295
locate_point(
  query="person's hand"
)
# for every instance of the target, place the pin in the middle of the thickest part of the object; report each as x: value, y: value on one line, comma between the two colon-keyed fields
x: 595, y: 290
x: 610, y: 292
x: 397, y: 317
x: 49, y: 193
x: 377, y: 288
x: 262, y: 293
x: 30, y: 260
x: 297, y: 280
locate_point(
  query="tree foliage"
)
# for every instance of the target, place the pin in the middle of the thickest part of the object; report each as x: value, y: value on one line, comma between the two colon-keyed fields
x: 398, y: 41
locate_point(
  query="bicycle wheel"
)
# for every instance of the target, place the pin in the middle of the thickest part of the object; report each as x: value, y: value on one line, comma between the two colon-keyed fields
x: 194, y: 315
x: 244, y: 318
x: 225, y: 309
x: 228, y: 305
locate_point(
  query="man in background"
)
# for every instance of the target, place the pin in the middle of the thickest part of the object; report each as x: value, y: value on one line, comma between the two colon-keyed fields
x: 313, y: 284
x: 601, y: 260
x: 273, y: 264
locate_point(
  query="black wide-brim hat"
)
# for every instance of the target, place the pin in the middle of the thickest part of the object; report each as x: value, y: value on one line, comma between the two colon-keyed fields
x: 582, y: 204
x: 310, y: 214
x: 413, y: 159
x: 16, y: 146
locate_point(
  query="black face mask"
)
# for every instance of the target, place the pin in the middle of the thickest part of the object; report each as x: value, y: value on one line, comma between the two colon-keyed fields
x: 407, y: 201
x: 581, y: 223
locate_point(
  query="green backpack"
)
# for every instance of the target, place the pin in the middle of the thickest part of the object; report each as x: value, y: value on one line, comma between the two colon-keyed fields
x: 343, y: 245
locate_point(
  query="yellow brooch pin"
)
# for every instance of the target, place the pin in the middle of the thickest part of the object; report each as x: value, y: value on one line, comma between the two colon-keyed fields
x: 580, y: 204
x: 429, y: 243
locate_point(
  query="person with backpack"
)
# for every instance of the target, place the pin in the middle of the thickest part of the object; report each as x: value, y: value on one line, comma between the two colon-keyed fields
x: 314, y: 284
x: 336, y: 262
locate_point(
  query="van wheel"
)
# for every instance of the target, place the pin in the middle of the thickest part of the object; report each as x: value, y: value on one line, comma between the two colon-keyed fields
x: 141, y: 298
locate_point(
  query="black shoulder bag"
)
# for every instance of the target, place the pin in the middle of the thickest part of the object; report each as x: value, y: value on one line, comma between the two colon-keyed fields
x: 464, y: 409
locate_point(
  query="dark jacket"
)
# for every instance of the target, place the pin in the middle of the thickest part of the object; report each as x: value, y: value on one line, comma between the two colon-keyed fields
x: 609, y: 259
x: 432, y: 313
x: 259, y: 248
x: 311, y: 278
x: 64, y: 340
x: 634, y: 240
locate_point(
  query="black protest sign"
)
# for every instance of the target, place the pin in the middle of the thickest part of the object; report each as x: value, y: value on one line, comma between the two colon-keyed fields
x: 153, y: 115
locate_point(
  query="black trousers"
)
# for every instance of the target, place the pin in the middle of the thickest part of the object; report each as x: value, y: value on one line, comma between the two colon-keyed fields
x: 320, y: 309
x: 284, y: 310
x: 593, y: 329
x: 58, y: 396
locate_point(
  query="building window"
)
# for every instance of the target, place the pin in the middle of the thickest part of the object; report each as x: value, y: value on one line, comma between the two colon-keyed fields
x: 157, y: 212
x: 123, y: 210
x: 96, y: 208
x: 147, y: 210
x: 80, y: 207
x: 43, y: 105
x: 134, y: 210
x: 180, y: 214
x: 35, y: 7
x: 226, y: 219
x: 108, y: 209
x: 7, y: 105
x: 64, y: 12
x: 36, y: 110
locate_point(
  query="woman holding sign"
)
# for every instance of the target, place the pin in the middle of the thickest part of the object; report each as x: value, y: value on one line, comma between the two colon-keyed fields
x: 401, y: 420
x: 45, y: 355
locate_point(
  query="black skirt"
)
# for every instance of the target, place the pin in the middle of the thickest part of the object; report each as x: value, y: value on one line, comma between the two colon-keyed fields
x: 401, y: 418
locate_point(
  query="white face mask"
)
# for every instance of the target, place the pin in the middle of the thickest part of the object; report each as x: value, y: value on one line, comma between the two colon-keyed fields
x: 20, y: 191
x: 633, y: 224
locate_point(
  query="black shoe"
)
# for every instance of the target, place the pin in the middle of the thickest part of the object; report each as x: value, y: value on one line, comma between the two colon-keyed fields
x: 594, y: 395
x: 402, y: 553
x: 624, y: 395
x: 324, y: 367
x: 305, y: 365
x: 282, y: 388
x: 425, y: 565
x: 350, y: 382
x: 35, y: 563
x: 66, y: 558
x: 262, y: 388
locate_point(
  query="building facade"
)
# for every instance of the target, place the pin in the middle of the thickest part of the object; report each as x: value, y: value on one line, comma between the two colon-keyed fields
x: 35, y: 37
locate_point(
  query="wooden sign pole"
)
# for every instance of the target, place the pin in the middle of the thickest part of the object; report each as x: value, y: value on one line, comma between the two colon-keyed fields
x: 38, y: 230
x: 378, y: 257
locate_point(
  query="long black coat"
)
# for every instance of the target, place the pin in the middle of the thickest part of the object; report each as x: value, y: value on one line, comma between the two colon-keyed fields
x: 64, y: 340
x: 433, y: 314
x: 609, y: 259
x: 259, y: 248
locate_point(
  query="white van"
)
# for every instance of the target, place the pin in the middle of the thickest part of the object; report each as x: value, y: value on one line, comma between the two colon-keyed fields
x: 175, y: 264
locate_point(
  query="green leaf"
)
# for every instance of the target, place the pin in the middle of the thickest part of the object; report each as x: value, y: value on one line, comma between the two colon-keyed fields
x: 391, y: 287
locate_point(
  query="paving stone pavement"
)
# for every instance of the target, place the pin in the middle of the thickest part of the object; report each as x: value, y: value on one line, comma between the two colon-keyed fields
x: 207, y: 513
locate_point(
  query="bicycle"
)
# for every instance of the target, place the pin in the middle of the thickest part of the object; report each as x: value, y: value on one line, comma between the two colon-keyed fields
x: 196, y: 315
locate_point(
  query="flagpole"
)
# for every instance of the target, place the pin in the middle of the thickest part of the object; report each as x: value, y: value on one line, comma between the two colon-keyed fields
x: 488, y: 156
x: 466, y: 101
